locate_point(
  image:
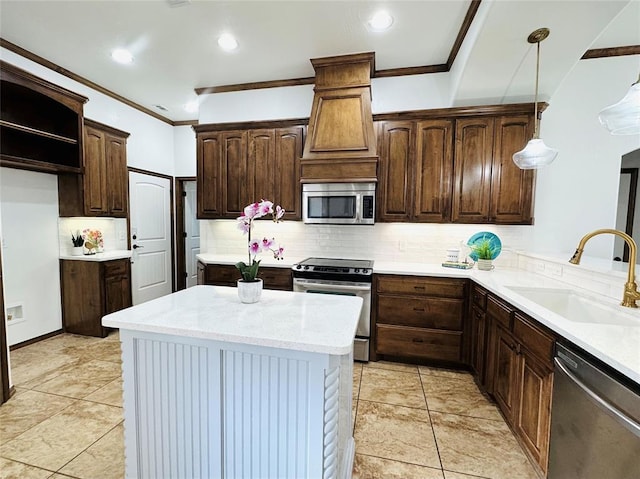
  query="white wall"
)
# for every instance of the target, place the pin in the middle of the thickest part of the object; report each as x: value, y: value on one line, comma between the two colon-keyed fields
x: 578, y: 193
x: 29, y: 204
x: 184, y: 151
x: 150, y: 146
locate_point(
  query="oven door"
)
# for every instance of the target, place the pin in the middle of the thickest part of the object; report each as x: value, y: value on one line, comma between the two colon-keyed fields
x: 362, y: 290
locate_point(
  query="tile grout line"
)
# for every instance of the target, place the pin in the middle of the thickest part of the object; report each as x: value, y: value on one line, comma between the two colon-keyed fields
x: 85, y: 449
x: 433, y: 431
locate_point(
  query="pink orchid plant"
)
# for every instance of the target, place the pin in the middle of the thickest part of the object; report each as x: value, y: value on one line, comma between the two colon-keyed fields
x: 245, y: 222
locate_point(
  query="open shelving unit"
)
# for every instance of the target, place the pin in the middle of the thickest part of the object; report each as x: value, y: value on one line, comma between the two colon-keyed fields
x: 40, y: 123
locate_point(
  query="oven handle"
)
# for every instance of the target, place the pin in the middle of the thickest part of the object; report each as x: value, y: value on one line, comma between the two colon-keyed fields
x: 336, y: 287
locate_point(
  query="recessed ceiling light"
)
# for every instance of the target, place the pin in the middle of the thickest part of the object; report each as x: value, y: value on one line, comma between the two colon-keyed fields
x: 121, y: 55
x: 227, y: 42
x: 380, y: 21
x: 192, y: 106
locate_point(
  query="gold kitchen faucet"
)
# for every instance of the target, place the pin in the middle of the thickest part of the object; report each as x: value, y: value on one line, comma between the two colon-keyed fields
x: 631, y: 294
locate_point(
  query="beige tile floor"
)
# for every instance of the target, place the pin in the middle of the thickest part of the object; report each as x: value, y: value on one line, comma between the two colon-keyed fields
x: 65, y: 419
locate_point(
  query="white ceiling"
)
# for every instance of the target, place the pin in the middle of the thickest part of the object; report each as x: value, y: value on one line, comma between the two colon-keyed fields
x: 175, y: 48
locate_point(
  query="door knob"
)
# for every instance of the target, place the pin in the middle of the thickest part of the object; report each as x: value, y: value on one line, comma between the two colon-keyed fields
x: 135, y: 246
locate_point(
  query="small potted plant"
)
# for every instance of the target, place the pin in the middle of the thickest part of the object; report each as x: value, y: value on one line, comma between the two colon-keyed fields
x: 485, y: 253
x: 78, y: 242
x: 250, y: 286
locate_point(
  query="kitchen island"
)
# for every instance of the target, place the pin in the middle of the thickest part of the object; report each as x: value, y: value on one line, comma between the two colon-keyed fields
x: 217, y: 388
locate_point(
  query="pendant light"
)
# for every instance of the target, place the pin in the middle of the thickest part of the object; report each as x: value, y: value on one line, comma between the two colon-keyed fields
x: 536, y: 154
x: 623, y: 118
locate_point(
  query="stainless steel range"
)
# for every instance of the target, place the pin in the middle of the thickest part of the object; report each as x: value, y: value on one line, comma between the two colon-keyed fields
x: 340, y: 276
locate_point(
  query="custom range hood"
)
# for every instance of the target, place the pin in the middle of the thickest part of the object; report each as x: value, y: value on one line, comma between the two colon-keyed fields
x: 341, y: 145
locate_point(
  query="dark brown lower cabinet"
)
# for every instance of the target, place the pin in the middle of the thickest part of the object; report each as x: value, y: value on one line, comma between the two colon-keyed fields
x: 91, y: 290
x: 520, y: 367
x: 419, y: 318
x: 228, y: 275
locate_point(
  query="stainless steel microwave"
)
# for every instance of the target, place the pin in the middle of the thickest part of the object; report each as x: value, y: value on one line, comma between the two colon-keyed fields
x: 339, y: 203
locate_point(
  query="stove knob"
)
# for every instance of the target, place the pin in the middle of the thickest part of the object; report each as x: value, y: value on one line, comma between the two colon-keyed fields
x: 298, y: 266
x: 357, y: 270
x: 365, y: 271
x: 306, y: 267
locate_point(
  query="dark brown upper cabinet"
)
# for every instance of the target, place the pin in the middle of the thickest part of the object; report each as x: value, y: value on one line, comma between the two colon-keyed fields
x: 472, y: 170
x: 40, y: 123
x: 454, y: 165
x: 396, y: 147
x: 240, y: 166
x: 102, y: 190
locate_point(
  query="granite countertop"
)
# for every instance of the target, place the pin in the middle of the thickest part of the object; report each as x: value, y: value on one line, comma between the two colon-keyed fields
x: 282, y: 319
x: 105, y: 256
x: 616, y: 345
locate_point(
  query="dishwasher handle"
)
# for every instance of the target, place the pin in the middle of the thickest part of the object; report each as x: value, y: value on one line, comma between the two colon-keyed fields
x: 616, y: 414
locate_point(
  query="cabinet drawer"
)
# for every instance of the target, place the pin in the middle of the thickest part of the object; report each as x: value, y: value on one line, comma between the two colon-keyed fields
x: 221, y: 275
x: 115, y: 268
x: 538, y: 342
x: 421, y: 312
x: 418, y: 343
x: 447, y: 288
x: 276, y: 278
x: 499, y: 311
x: 479, y: 297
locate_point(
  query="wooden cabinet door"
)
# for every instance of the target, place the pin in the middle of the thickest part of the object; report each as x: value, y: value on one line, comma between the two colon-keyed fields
x: 533, y: 418
x: 505, y: 376
x: 478, y: 331
x: 237, y: 192
x: 396, y: 153
x: 82, y: 297
x: 116, y: 172
x: 95, y: 173
x: 201, y: 271
x: 289, y: 144
x: 511, y: 187
x: 433, y: 170
x: 117, y: 293
x: 261, y: 164
x: 472, y: 170
x: 117, y: 285
x: 209, y: 174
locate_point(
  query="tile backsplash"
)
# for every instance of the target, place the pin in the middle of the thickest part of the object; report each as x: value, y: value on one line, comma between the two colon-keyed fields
x: 114, y: 232
x: 400, y: 242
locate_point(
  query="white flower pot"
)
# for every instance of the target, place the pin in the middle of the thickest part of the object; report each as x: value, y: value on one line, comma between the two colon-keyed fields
x: 76, y: 251
x: 485, y: 264
x: 249, y: 291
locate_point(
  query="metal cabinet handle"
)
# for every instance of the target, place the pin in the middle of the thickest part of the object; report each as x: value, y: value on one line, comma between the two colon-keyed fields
x: 419, y: 287
x: 419, y: 310
x: 417, y: 340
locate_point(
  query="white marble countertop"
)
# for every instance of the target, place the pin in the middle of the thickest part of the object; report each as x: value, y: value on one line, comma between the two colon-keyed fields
x: 104, y: 256
x: 616, y: 345
x: 297, y: 321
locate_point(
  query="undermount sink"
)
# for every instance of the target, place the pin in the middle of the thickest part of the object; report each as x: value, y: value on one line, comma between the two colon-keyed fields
x: 576, y: 307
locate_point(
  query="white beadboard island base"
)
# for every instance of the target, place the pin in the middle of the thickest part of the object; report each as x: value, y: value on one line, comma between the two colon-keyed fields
x: 217, y: 388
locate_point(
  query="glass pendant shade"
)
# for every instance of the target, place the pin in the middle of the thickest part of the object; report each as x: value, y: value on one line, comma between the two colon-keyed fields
x: 623, y: 118
x: 535, y: 155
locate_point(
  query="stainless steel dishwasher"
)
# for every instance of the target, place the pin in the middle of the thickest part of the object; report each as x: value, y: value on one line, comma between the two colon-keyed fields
x: 595, y: 422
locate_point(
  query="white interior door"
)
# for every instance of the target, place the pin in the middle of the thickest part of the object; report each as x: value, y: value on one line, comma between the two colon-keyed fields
x: 192, y: 228
x: 150, y: 207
